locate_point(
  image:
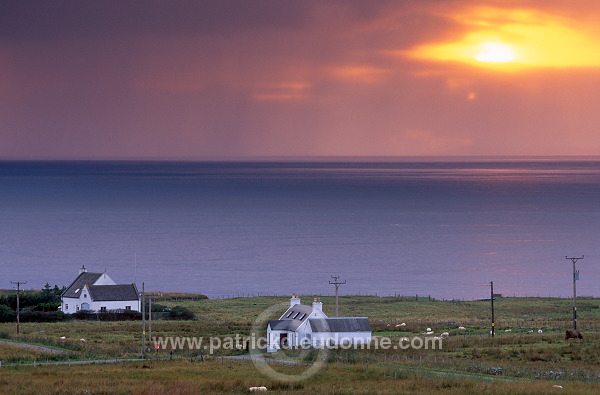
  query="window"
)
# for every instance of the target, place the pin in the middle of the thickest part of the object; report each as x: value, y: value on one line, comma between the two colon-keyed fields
x: 127, y: 307
x: 85, y: 295
x: 103, y: 309
x: 66, y: 307
x: 77, y: 308
x: 296, y: 315
x: 303, y: 315
x: 290, y: 314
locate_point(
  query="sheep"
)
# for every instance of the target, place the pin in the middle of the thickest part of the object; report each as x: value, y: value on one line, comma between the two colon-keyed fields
x: 508, y: 330
x: 82, y: 339
x: 557, y: 386
x: 63, y: 338
x: 253, y: 389
x: 462, y: 328
x: 540, y: 331
x: 429, y: 333
x: 428, y: 329
x: 402, y: 324
x: 445, y: 334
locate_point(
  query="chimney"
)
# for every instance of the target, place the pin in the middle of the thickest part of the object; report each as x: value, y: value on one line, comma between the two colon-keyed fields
x: 294, y: 300
x: 83, y: 269
x: 317, y: 304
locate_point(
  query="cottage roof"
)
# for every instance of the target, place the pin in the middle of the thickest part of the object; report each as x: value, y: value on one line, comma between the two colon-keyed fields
x: 342, y: 324
x: 292, y: 318
x: 113, y: 292
x: 74, y: 290
x: 281, y: 325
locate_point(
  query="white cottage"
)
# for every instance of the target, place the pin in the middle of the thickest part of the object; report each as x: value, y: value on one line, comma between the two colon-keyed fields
x: 303, y: 325
x: 98, y: 292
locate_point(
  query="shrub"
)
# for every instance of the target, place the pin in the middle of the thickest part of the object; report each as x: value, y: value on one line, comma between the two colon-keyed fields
x: 181, y: 313
x: 6, y: 314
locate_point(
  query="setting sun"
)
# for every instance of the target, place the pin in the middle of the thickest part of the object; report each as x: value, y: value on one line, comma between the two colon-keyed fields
x: 506, y: 39
x: 495, y: 53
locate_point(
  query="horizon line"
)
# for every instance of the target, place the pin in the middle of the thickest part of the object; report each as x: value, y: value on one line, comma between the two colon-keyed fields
x: 317, y: 158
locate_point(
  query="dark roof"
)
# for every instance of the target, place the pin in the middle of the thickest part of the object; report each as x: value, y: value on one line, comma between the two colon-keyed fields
x: 294, y: 317
x: 114, y: 292
x: 74, y: 290
x: 345, y: 324
x: 298, y: 308
x: 281, y: 325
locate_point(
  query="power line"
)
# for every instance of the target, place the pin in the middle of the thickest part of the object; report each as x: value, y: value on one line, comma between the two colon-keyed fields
x: 18, y: 302
x: 575, y: 278
x: 337, y: 286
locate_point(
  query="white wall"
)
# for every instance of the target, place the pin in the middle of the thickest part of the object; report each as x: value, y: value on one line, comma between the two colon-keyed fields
x: 337, y: 338
x: 69, y: 305
x: 114, y: 305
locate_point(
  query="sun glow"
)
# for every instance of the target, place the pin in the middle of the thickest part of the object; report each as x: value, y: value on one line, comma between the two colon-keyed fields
x: 495, y: 53
x: 514, y: 39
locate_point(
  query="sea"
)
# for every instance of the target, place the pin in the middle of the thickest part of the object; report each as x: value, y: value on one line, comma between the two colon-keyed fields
x: 439, y: 227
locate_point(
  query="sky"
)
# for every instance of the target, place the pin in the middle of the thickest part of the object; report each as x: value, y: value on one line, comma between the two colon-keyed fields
x: 253, y: 78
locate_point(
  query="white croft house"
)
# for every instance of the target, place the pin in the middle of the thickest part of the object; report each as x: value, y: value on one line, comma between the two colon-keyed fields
x: 98, y: 292
x: 303, y: 325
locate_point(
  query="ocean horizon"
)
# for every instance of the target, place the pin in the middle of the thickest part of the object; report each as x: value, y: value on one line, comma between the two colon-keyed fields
x: 443, y: 227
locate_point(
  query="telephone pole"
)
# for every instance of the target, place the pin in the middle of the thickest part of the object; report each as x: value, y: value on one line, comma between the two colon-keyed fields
x: 143, y: 324
x: 575, y: 278
x: 337, y: 286
x: 18, y: 303
x: 492, y: 299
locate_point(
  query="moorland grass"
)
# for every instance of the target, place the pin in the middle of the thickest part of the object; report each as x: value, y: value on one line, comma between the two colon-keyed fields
x: 541, y: 360
x: 235, y: 377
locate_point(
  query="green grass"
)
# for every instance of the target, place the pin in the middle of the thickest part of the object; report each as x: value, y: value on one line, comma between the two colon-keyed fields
x: 540, y: 360
x: 235, y: 377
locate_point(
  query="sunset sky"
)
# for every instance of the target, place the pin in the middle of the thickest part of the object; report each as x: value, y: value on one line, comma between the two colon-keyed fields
x: 245, y: 78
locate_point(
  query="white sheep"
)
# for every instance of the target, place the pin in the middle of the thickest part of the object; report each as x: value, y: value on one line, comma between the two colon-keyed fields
x: 252, y: 389
x: 462, y: 328
x: 508, y: 330
x: 540, y: 331
x: 63, y: 338
x: 445, y: 334
x: 428, y: 329
x: 82, y: 339
x: 402, y: 324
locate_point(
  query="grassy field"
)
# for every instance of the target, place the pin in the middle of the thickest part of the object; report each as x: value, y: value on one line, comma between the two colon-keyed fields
x: 470, y: 360
x: 235, y: 377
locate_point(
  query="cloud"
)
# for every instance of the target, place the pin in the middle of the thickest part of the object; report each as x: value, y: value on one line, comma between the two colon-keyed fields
x: 511, y: 39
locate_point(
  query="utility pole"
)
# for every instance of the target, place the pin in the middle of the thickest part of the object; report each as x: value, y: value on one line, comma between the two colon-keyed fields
x: 492, y: 299
x: 18, y: 303
x: 337, y: 286
x: 150, y: 320
x: 143, y: 324
x: 575, y: 278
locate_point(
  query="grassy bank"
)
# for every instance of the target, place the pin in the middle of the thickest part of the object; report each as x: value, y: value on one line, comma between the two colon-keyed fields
x: 518, y: 352
x: 235, y: 377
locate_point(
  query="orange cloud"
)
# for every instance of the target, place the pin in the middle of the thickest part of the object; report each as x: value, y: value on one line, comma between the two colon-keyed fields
x: 282, y: 91
x: 366, y: 74
x: 518, y: 38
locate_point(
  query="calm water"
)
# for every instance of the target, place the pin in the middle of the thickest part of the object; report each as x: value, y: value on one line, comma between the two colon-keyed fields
x: 440, y: 228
